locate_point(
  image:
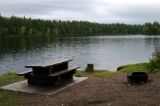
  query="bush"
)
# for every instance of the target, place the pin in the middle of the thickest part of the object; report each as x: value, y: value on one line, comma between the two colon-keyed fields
x: 154, y: 63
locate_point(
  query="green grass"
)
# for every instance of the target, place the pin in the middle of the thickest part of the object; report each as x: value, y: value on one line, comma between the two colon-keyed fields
x: 10, y: 98
x: 9, y: 77
x: 96, y: 73
x: 140, y: 67
x: 104, y: 73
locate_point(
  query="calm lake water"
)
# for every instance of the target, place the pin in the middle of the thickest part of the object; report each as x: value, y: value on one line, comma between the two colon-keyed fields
x: 106, y: 52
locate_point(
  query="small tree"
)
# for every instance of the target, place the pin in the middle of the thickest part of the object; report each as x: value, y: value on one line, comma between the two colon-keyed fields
x: 154, y: 63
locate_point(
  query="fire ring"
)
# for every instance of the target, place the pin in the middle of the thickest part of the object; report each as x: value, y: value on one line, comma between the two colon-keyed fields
x: 137, y: 78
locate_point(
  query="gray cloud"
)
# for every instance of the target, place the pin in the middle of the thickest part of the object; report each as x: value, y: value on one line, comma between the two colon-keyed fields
x: 138, y: 13
x: 92, y: 10
x: 48, y: 6
x: 25, y: 9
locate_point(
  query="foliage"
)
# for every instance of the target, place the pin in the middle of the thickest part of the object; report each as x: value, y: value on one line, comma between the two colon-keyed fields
x: 154, y: 63
x: 17, y: 26
x: 151, y: 29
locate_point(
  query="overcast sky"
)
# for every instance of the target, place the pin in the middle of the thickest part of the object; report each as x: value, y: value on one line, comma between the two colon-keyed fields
x: 103, y: 11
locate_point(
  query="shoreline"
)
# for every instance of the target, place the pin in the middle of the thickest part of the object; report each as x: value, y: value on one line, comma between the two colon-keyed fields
x: 101, y: 88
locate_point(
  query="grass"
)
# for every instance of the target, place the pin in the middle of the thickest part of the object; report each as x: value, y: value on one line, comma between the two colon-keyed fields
x: 10, y: 98
x: 9, y: 77
x: 96, y: 73
x: 141, y: 67
x: 104, y: 73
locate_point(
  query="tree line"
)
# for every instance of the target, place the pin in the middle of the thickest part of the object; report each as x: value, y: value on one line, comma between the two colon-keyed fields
x: 21, y: 26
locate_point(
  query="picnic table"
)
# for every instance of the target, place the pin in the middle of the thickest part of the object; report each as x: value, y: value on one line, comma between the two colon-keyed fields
x: 47, y: 73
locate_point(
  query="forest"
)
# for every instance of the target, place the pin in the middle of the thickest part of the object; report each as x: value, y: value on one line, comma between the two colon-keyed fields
x: 22, y: 26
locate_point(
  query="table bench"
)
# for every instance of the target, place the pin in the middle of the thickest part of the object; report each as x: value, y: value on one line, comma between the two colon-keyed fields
x: 24, y: 73
x: 47, y: 73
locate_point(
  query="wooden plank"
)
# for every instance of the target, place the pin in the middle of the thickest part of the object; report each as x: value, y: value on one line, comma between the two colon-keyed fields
x: 63, y: 71
x: 49, y: 63
x: 25, y: 72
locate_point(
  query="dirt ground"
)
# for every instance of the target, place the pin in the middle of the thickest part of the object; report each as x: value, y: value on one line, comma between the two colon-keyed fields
x: 102, y: 92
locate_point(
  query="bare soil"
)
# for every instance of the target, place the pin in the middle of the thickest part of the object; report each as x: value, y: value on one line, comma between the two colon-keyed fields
x: 102, y: 92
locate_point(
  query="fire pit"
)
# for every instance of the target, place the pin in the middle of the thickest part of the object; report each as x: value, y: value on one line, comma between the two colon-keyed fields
x: 137, y: 78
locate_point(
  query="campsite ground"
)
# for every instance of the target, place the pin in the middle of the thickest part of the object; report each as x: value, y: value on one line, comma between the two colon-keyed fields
x: 103, y: 92
x: 100, y: 89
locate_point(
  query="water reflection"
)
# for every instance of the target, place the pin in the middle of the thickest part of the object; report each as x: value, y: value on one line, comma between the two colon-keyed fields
x: 106, y: 52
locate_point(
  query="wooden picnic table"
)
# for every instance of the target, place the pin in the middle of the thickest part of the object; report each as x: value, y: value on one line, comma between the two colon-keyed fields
x: 46, y: 73
x: 48, y: 67
x: 49, y: 63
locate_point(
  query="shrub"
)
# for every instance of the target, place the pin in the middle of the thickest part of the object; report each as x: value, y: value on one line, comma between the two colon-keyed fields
x: 154, y: 63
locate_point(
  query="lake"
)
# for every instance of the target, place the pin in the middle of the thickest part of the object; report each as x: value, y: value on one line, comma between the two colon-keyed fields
x: 106, y: 52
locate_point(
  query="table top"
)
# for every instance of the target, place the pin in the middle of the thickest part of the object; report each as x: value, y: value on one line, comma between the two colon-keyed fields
x: 48, y: 63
